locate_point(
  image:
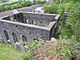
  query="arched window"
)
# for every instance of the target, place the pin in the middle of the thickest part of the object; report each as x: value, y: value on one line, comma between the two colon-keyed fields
x: 14, y: 37
x: 7, y: 36
x: 24, y: 39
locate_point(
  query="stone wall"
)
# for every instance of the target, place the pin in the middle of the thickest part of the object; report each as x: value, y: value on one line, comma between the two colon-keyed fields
x: 28, y: 26
x: 39, y: 19
x: 33, y: 18
x: 14, y: 30
x: 20, y: 29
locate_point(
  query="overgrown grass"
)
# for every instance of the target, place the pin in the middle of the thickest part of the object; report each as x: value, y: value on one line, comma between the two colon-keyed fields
x: 10, y: 6
x: 70, y: 27
x: 7, y: 52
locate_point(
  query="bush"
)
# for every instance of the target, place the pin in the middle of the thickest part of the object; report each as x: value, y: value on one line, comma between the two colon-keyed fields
x: 65, y: 1
x: 40, y: 1
x: 68, y: 48
x: 59, y: 8
x: 52, y: 9
x: 14, y: 5
x: 69, y: 6
x: 26, y: 3
x: 32, y: 48
x: 7, y: 8
x: 72, y: 25
x: 74, y: 22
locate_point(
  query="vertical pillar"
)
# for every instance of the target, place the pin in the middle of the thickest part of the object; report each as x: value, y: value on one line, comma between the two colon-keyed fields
x: 19, y: 37
x: 11, y: 37
x: 3, y: 36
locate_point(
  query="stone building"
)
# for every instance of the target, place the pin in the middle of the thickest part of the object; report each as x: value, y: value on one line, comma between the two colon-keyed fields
x: 28, y: 26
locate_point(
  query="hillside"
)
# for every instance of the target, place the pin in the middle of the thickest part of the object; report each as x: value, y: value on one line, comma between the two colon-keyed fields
x: 7, y: 52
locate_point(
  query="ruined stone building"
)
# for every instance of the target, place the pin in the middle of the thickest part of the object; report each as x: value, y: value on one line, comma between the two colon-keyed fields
x: 28, y: 26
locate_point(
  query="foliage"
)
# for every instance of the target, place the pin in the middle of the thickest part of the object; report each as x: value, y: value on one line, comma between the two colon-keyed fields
x: 54, y: 8
x: 68, y: 48
x: 51, y: 8
x: 61, y: 9
x: 69, y: 6
x: 74, y: 22
x: 71, y: 27
x: 32, y: 47
x: 70, y: 31
x: 8, y: 52
x: 66, y: 29
x: 65, y: 1
x: 26, y: 3
x: 40, y: 1
x: 14, y: 5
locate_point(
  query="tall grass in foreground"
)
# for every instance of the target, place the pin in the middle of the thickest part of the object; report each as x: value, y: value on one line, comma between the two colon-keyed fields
x: 7, y: 52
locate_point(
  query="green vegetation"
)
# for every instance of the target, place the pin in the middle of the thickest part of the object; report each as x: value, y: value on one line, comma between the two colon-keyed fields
x: 72, y: 22
x: 32, y: 49
x: 68, y: 48
x: 51, y: 8
x: 14, y: 5
x: 68, y: 44
x: 69, y: 30
x: 40, y: 1
x: 8, y: 52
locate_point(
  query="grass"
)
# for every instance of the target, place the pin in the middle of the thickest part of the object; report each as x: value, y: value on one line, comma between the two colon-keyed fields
x: 7, y: 52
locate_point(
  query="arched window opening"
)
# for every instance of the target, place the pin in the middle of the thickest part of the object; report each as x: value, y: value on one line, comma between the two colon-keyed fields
x: 14, y: 37
x: 24, y: 40
x: 7, y: 36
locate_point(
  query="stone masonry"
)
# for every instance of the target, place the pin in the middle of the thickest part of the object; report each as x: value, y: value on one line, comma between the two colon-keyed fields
x: 28, y: 25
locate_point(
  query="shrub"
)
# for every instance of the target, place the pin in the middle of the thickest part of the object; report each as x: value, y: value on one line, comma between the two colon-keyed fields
x: 26, y: 3
x: 68, y: 48
x: 52, y: 9
x: 14, y: 5
x: 40, y: 1
x: 61, y: 9
x: 65, y: 1
x: 7, y: 8
x: 69, y: 6
x: 74, y: 22
x: 32, y: 47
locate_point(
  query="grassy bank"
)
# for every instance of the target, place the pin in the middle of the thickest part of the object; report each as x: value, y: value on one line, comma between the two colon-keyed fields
x: 7, y: 52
